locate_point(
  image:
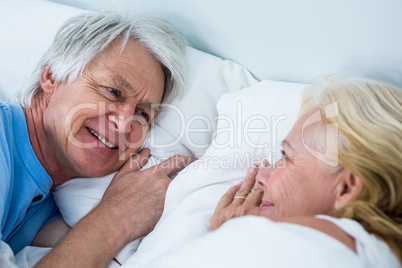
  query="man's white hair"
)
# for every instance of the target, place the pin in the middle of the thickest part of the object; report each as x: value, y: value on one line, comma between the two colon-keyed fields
x: 83, y: 37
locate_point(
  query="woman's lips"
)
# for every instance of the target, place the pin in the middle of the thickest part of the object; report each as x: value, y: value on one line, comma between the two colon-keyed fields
x: 266, y: 205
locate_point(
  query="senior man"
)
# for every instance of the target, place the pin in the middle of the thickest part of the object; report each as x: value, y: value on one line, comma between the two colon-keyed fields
x: 85, y: 113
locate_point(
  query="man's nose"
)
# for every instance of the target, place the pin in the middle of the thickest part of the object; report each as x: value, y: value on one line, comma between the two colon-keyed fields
x: 123, y: 118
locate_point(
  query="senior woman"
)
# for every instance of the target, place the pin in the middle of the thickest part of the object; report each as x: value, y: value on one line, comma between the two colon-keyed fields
x: 359, y: 126
x: 334, y: 199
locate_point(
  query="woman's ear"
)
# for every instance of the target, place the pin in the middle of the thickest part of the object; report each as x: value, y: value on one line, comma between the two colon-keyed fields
x: 349, y: 188
x: 47, y: 83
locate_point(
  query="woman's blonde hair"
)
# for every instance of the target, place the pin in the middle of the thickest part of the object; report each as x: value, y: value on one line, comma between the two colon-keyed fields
x: 369, y: 116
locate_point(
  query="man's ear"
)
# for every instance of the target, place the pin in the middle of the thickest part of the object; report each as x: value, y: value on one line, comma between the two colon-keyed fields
x: 350, y: 186
x: 47, y: 83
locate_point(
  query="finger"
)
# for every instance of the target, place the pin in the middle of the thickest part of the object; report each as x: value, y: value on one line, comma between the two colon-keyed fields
x: 173, y: 165
x: 255, y: 196
x: 247, y: 185
x: 137, y: 161
x: 227, y: 198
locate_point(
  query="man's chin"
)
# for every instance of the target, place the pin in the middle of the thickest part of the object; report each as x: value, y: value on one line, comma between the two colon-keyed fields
x: 93, y: 167
x: 97, y: 172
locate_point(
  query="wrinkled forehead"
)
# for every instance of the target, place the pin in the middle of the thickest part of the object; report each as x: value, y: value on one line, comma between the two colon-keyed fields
x: 133, y: 69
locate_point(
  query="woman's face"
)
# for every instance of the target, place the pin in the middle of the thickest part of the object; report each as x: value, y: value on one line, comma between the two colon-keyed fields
x: 300, y: 184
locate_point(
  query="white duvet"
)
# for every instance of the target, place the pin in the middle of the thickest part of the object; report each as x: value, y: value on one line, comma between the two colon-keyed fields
x: 258, y: 242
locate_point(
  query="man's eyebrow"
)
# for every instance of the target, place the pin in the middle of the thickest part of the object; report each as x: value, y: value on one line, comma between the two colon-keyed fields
x: 119, y: 80
x: 287, y: 143
x: 152, y: 107
x: 155, y: 107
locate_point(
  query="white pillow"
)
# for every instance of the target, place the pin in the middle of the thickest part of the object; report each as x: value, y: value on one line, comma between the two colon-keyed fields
x: 192, y: 120
x: 194, y: 193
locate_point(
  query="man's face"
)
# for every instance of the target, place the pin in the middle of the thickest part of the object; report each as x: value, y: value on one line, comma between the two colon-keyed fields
x: 96, y: 122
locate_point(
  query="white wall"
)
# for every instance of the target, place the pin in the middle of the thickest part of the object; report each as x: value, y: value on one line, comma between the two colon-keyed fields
x: 288, y: 39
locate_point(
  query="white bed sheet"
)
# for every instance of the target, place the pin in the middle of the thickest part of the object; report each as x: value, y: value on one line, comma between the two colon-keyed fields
x: 258, y: 242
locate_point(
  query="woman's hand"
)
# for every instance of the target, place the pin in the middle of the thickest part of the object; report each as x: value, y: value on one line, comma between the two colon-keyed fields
x: 240, y: 200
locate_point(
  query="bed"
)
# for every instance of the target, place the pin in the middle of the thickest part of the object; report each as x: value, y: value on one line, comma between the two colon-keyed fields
x: 238, y: 50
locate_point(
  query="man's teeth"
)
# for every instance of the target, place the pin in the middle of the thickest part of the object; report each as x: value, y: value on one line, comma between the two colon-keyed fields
x: 102, y: 139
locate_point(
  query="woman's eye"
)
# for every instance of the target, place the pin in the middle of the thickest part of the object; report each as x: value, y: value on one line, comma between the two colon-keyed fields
x: 284, y: 155
x: 114, y: 91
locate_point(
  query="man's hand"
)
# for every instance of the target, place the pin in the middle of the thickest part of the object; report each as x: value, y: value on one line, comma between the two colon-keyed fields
x: 240, y: 200
x: 135, y: 199
x: 129, y: 209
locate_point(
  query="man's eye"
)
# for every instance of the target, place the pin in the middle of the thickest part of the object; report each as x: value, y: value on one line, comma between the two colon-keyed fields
x: 143, y: 114
x: 114, y: 91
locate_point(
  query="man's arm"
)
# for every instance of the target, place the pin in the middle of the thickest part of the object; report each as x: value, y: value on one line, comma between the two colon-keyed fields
x: 130, y: 209
x: 93, y: 242
x: 51, y: 233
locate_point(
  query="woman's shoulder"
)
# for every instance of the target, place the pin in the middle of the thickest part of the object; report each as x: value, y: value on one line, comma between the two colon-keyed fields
x: 369, y: 249
x: 327, y: 227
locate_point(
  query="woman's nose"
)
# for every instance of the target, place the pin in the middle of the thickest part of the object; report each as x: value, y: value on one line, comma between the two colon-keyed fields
x: 264, y: 173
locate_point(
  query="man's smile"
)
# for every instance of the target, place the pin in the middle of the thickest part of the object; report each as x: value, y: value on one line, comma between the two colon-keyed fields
x: 102, y: 139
